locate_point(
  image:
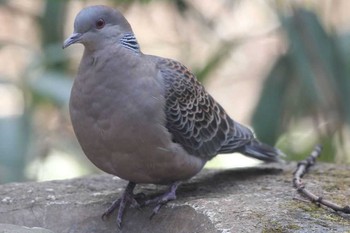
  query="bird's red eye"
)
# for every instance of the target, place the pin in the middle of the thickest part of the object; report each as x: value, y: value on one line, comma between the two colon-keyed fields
x: 100, y: 23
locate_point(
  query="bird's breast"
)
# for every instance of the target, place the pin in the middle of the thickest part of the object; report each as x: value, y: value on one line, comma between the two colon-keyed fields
x: 117, y: 113
x: 114, y: 103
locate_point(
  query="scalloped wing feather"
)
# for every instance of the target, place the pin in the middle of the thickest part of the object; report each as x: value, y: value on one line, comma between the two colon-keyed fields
x: 194, y: 118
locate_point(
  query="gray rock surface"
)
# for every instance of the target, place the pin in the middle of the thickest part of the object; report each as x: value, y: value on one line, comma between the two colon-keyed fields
x: 8, y: 228
x: 259, y: 199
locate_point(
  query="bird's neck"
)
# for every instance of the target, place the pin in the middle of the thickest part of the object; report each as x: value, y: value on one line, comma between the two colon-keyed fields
x: 129, y: 41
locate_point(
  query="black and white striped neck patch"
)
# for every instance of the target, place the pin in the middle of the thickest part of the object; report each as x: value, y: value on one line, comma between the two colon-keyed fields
x: 129, y: 41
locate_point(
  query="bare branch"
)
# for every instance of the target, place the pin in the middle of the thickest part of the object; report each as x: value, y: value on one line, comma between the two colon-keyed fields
x: 302, y: 169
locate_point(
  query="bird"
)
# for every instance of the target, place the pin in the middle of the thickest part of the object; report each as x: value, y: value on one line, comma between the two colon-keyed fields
x: 144, y: 118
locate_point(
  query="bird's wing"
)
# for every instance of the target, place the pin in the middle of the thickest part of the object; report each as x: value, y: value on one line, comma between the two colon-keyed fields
x: 194, y: 118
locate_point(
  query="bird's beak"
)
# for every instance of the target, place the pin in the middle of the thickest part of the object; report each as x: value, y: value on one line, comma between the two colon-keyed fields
x: 74, y: 38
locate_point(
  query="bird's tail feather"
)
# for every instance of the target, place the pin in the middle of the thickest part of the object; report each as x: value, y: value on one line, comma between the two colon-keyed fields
x: 262, y: 152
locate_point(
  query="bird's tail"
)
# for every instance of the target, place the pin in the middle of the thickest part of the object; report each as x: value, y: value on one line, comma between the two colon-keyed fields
x: 262, y: 152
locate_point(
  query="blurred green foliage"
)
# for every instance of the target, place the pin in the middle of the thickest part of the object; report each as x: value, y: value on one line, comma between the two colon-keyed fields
x: 309, y: 82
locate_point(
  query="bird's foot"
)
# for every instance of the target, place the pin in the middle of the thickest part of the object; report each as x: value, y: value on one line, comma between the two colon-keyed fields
x: 138, y: 201
x: 162, y: 199
x: 127, y: 197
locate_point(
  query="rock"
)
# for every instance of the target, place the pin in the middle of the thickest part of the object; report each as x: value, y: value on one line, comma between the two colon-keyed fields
x: 8, y: 228
x: 258, y: 199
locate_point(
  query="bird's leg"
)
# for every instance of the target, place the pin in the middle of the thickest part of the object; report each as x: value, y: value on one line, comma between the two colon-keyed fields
x: 164, y: 198
x: 127, y: 197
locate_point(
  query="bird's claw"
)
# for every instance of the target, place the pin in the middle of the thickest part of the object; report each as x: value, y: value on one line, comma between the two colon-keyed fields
x: 163, y: 199
x: 111, y: 209
x: 156, y: 209
x: 139, y: 200
x: 127, y: 197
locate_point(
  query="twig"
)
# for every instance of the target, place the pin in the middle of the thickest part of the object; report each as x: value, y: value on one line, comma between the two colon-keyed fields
x: 302, y: 169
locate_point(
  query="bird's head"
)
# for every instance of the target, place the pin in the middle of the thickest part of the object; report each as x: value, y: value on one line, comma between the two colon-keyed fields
x: 97, y: 26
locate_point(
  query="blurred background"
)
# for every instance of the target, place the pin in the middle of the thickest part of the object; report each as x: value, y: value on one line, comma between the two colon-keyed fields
x: 281, y: 67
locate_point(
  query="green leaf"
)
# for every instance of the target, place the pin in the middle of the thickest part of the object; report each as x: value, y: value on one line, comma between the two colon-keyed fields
x: 267, y: 118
